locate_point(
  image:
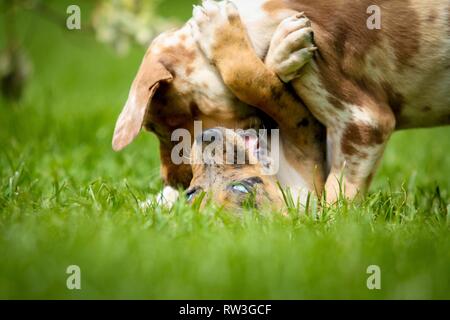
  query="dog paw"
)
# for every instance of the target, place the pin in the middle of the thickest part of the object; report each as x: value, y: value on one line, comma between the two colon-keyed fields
x: 291, y: 48
x: 167, y: 197
x: 208, y: 21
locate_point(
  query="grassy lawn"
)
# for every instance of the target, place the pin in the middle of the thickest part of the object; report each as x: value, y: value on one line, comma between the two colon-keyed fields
x: 67, y: 199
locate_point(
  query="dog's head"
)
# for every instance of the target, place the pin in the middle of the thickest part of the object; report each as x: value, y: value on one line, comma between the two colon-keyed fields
x: 231, y: 169
x: 175, y: 86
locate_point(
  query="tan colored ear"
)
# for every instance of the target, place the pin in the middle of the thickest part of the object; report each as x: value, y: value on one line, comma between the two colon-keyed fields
x: 144, y: 87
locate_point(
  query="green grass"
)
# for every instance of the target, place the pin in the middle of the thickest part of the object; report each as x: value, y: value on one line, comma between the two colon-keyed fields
x: 66, y: 198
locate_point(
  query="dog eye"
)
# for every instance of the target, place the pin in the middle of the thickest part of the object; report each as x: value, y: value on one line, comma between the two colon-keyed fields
x: 246, y: 186
x: 240, y: 188
x: 190, y: 194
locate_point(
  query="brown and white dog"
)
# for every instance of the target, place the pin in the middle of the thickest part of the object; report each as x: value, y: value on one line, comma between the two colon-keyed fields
x: 362, y: 85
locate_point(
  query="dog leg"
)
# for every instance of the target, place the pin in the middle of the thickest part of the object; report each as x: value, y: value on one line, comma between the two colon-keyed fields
x: 357, y: 145
x: 357, y: 133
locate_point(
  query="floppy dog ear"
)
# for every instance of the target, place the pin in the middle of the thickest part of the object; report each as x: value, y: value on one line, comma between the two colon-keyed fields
x: 144, y: 87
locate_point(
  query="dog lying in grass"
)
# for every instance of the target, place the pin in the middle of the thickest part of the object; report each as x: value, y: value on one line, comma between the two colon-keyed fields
x: 362, y: 84
x: 242, y: 182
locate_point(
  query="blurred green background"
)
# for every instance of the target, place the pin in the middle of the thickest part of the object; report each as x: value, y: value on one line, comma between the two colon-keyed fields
x: 66, y: 198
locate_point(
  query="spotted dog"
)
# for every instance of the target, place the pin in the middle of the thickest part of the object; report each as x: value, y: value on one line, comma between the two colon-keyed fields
x: 176, y: 85
x: 362, y: 84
